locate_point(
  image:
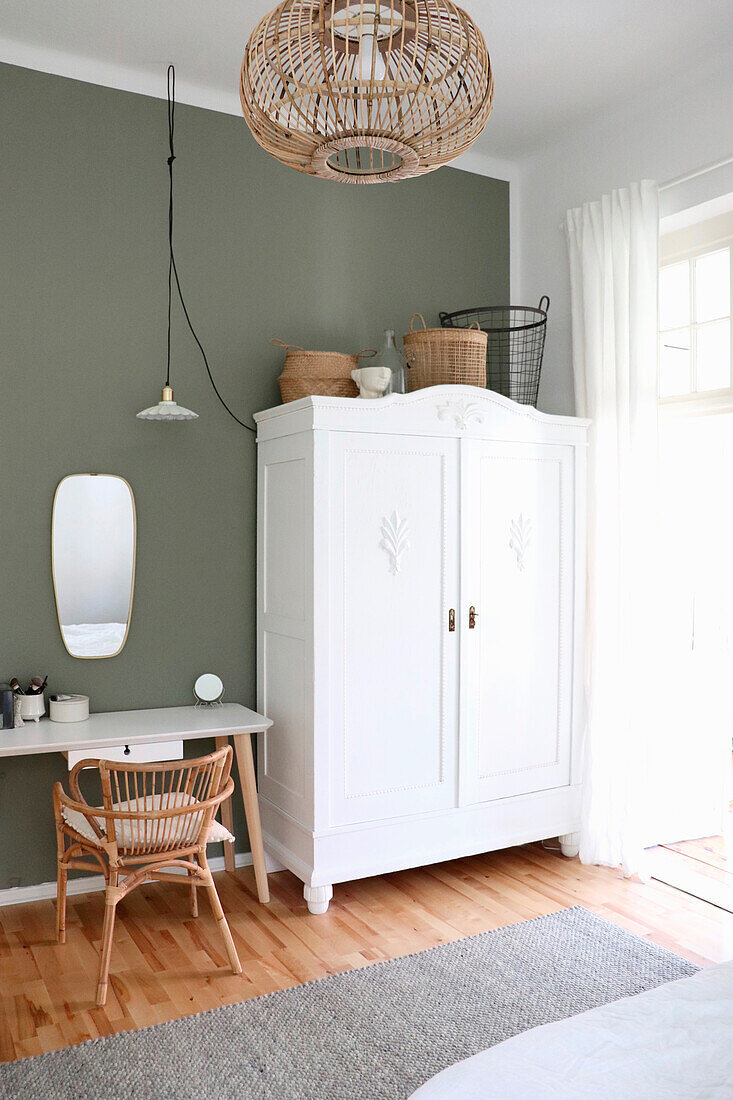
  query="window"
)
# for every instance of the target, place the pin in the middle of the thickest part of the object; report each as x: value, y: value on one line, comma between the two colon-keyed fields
x: 696, y: 533
x: 695, y: 325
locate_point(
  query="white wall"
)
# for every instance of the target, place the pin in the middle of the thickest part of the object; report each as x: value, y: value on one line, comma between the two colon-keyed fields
x: 672, y: 131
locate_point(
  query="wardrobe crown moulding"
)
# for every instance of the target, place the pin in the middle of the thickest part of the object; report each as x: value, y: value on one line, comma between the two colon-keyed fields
x: 366, y: 91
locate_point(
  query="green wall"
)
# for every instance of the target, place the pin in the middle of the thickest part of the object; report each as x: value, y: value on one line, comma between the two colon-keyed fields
x: 262, y: 251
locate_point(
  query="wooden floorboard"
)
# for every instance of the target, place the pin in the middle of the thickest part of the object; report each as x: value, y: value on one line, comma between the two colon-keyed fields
x: 166, y: 964
x: 709, y: 852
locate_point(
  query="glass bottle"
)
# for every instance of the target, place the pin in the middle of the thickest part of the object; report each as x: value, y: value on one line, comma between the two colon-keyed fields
x: 390, y: 356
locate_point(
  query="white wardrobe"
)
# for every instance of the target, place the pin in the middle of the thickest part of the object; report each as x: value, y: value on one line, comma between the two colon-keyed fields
x: 421, y: 588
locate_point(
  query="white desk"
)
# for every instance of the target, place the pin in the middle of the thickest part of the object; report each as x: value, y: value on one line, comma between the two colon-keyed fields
x: 138, y: 727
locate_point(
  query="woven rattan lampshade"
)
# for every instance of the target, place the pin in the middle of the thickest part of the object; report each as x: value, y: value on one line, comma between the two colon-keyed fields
x: 364, y: 91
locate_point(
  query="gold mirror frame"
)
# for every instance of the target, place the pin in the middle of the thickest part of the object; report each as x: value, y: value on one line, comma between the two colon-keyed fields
x: 102, y: 656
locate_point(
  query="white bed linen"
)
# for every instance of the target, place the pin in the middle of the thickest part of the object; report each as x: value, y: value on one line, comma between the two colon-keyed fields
x: 675, y: 1041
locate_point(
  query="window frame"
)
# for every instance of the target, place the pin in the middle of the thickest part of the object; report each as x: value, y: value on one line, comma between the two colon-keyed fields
x: 707, y: 401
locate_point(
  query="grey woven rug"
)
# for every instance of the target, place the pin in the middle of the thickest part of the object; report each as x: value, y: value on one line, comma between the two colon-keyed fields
x: 371, y: 1034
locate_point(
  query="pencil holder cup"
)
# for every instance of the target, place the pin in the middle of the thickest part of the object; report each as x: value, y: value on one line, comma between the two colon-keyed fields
x: 32, y: 707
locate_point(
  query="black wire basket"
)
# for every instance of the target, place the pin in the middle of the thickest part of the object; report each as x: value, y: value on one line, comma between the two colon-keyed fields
x: 516, y: 342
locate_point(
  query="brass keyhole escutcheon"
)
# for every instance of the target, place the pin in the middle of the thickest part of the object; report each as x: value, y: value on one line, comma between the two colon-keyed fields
x: 472, y: 613
x: 451, y: 620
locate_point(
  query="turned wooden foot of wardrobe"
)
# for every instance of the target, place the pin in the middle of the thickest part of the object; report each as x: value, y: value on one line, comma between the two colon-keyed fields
x: 569, y: 844
x: 317, y: 898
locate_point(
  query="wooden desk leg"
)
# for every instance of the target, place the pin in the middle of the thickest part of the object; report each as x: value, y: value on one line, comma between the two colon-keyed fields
x: 227, y: 817
x: 245, y: 763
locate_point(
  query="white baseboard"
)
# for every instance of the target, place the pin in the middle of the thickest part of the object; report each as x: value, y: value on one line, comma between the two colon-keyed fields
x: 41, y: 891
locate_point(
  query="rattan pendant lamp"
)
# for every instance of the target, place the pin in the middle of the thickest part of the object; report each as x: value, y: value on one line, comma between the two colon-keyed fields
x: 366, y: 91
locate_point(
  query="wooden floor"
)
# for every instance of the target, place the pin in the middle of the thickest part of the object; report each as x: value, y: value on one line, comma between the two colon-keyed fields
x: 710, y: 851
x: 166, y: 965
x: 701, y: 867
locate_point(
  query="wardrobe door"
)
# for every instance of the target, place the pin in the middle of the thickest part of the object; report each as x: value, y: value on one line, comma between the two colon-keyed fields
x: 516, y: 677
x: 393, y: 579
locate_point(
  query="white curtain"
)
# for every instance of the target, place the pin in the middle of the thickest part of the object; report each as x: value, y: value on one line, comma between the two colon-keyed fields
x: 613, y: 247
x: 658, y: 736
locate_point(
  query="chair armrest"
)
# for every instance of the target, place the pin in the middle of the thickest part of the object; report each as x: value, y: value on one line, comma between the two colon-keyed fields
x: 115, y: 818
x: 61, y: 801
x: 91, y: 812
x: 80, y: 766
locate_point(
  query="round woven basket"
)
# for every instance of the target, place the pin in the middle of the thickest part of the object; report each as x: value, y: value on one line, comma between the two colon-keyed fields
x: 437, y: 356
x: 318, y: 373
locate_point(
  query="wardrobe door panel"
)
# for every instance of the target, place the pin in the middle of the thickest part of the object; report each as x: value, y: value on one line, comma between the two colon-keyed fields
x: 518, y: 575
x: 284, y: 603
x: 394, y: 538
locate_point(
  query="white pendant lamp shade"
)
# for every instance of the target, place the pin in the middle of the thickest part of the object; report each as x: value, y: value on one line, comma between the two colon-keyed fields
x: 167, y: 409
x: 365, y: 91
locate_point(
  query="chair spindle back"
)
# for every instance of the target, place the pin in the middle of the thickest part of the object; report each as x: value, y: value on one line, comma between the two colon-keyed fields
x: 155, y: 808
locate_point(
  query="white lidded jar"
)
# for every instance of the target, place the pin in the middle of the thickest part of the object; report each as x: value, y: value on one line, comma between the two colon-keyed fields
x: 69, y: 708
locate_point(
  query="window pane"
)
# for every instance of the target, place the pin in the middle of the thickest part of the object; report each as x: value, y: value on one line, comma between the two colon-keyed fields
x: 712, y: 285
x: 674, y: 295
x: 674, y: 363
x: 713, y: 356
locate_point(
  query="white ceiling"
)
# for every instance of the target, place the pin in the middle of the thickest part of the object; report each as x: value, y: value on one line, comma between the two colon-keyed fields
x: 555, y: 63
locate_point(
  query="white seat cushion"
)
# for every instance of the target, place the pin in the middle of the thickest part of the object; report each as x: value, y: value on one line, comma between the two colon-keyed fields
x: 126, y: 830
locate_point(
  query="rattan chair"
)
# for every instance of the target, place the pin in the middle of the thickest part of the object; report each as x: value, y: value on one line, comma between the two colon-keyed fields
x: 155, y: 821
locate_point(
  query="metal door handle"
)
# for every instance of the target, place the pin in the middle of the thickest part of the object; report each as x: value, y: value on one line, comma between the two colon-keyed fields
x: 452, y: 620
x: 472, y: 616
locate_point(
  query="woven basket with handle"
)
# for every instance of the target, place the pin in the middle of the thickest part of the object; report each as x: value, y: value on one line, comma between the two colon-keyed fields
x: 317, y: 373
x: 437, y: 356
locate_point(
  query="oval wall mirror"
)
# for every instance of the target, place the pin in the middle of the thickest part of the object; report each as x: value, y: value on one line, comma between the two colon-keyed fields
x: 93, y: 558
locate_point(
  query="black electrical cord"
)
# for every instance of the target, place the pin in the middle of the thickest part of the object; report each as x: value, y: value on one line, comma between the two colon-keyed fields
x: 172, y: 269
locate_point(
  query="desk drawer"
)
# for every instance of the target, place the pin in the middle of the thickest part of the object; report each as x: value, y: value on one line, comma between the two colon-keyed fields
x: 146, y: 753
